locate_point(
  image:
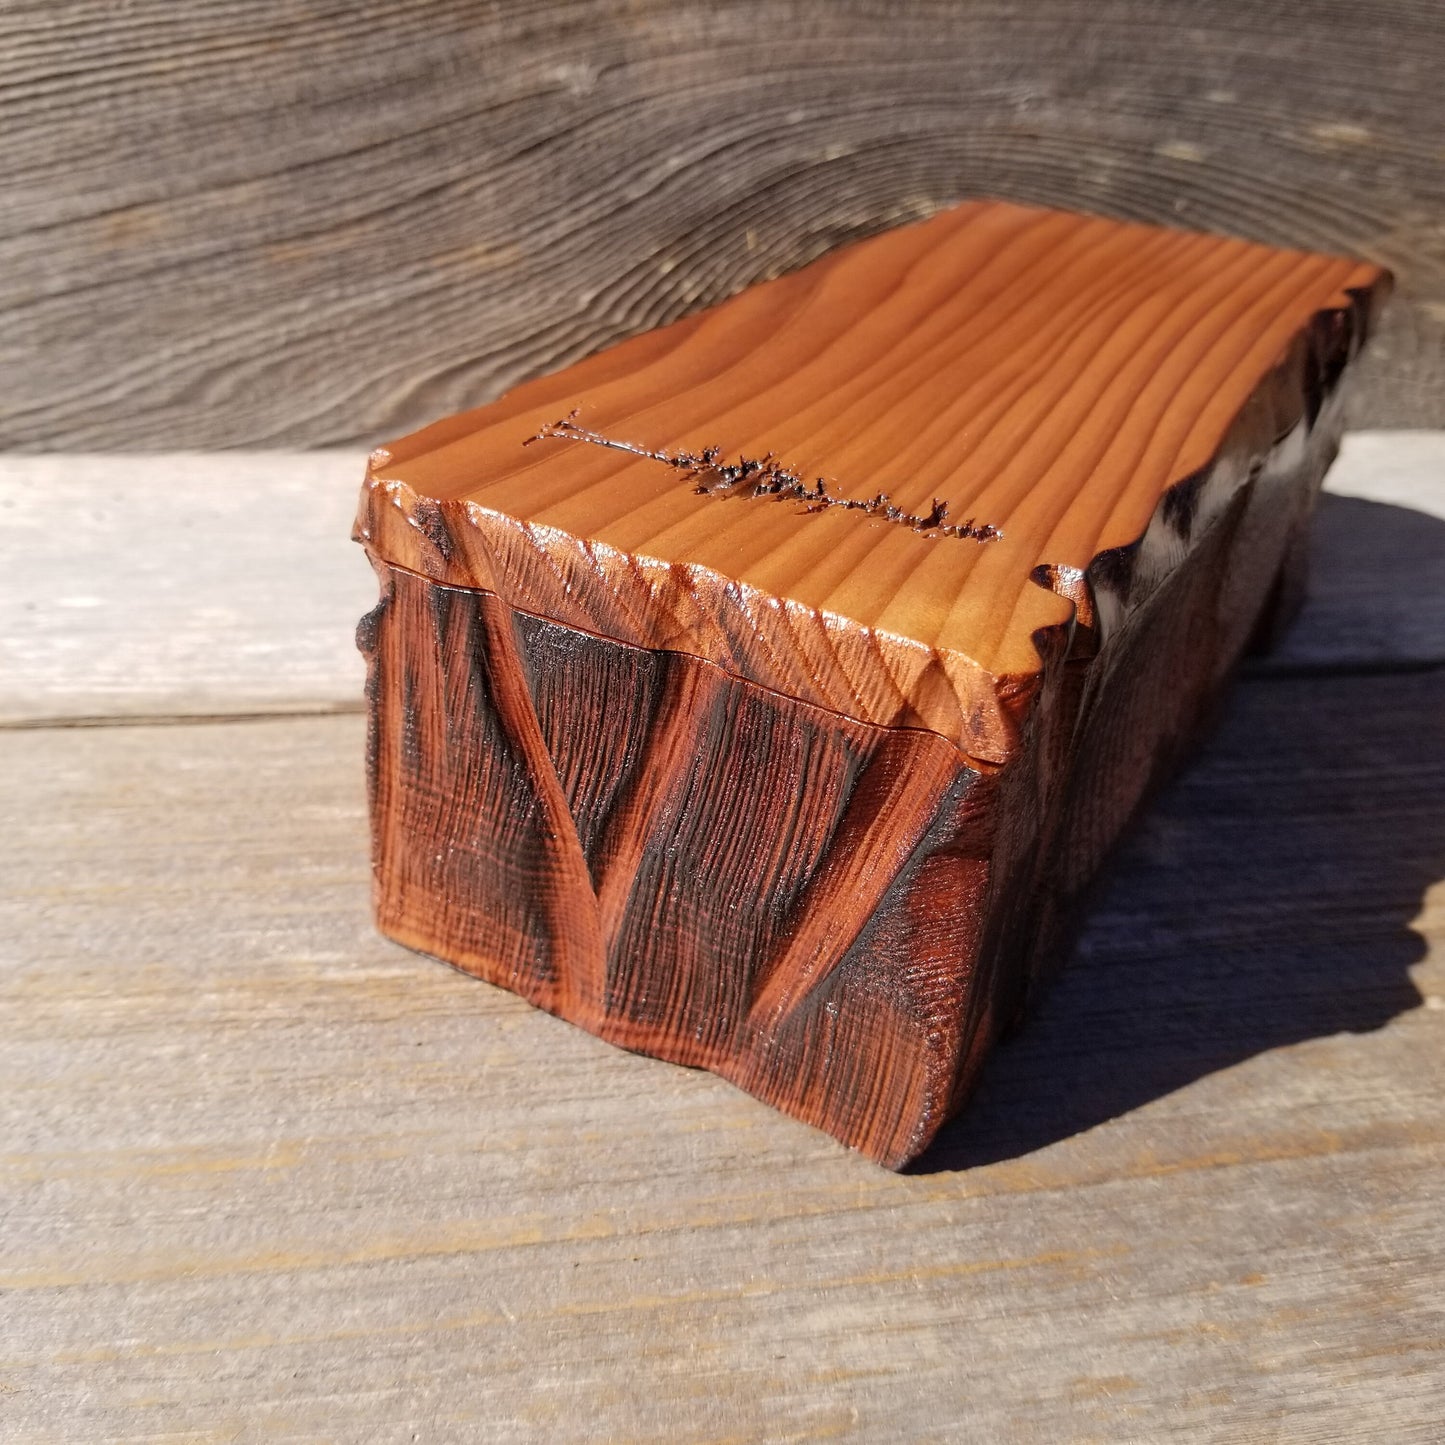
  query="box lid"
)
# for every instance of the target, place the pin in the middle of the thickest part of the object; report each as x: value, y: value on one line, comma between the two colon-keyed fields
x: 878, y: 484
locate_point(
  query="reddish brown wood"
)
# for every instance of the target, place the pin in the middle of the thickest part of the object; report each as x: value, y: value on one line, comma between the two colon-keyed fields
x: 696, y: 739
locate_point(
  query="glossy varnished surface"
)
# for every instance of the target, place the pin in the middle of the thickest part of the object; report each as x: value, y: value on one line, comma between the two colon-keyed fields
x: 680, y: 861
x: 1051, y: 376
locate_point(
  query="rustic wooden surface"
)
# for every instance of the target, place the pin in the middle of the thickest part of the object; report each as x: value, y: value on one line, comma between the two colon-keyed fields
x: 131, y: 604
x: 238, y: 224
x: 265, y: 1175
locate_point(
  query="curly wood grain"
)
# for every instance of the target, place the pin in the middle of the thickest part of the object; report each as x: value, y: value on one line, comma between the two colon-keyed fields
x: 234, y: 224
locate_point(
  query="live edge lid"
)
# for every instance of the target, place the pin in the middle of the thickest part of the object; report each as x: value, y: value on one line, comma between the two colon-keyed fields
x: 878, y: 484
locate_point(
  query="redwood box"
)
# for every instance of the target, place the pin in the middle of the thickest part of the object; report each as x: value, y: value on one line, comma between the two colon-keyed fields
x: 763, y: 692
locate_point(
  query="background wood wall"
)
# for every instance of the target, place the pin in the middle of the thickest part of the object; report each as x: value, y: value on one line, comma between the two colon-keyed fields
x: 236, y: 222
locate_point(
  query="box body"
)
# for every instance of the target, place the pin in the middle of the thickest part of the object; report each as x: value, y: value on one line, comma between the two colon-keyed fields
x: 674, y: 848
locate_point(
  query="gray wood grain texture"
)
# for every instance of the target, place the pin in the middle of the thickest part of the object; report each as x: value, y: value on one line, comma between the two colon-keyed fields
x: 265, y: 1175
x: 240, y: 224
x: 180, y: 584
x: 243, y: 595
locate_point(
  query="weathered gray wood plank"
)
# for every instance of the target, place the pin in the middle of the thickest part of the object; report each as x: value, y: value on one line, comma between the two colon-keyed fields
x: 266, y: 1175
x: 180, y: 584
x: 183, y: 585
x: 231, y: 223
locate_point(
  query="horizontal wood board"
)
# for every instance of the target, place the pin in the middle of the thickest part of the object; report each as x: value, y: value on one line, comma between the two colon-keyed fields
x: 264, y: 1175
x: 234, y: 224
x: 273, y: 588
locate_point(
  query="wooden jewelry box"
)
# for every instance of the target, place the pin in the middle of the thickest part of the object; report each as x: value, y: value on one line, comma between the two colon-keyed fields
x: 763, y: 693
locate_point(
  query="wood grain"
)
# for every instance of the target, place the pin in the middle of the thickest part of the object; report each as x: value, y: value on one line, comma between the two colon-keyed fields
x: 126, y: 601
x: 212, y: 231
x: 266, y: 1174
x: 677, y: 860
x: 766, y: 765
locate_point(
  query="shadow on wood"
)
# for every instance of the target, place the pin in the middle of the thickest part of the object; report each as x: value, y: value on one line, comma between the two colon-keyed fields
x: 1266, y: 897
